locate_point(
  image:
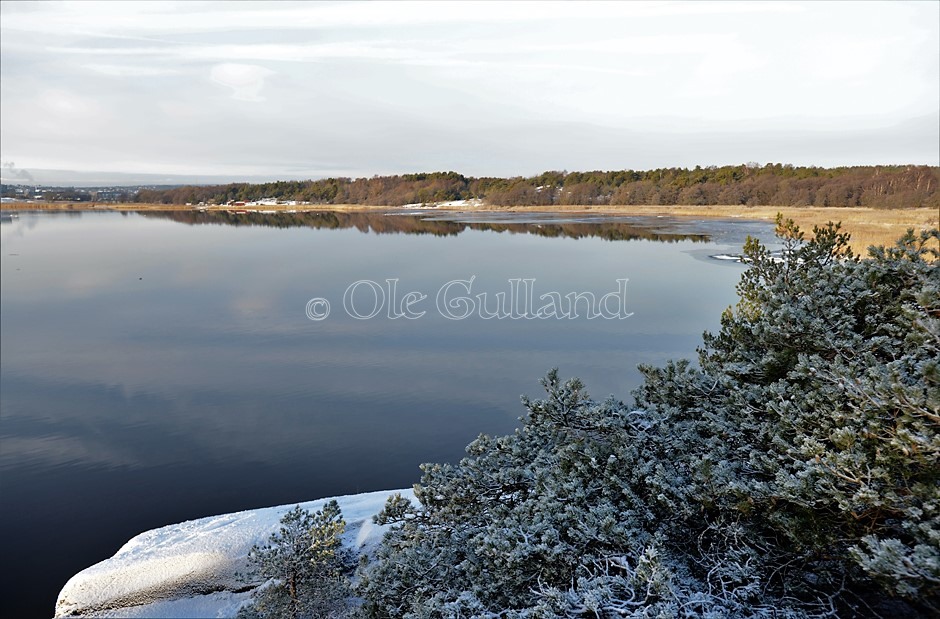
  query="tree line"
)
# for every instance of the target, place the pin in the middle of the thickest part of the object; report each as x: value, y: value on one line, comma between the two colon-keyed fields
x: 747, y: 185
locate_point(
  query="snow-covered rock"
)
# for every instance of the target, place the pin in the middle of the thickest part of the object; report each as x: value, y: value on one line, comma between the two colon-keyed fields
x: 192, y: 569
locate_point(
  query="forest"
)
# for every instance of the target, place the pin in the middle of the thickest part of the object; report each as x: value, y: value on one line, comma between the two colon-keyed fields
x: 747, y: 185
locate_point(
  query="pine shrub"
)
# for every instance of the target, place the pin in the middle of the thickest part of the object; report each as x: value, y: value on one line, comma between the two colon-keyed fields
x: 791, y: 472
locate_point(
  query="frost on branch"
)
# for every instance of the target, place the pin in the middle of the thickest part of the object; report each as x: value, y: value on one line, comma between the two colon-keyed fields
x: 302, y: 568
x: 792, y: 473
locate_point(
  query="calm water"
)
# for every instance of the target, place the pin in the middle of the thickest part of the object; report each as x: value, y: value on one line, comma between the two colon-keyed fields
x: 160, y: 368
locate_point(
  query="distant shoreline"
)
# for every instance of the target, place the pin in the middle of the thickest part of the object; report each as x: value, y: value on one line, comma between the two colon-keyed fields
x: 868, y: 226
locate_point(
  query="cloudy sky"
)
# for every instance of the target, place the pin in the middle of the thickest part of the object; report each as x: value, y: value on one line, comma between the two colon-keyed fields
x: 306, y: 90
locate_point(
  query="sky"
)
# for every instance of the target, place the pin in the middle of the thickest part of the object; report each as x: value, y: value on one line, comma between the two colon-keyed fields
x: 280, y: 90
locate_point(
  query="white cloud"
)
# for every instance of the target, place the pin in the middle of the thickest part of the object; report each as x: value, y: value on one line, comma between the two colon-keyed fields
x: 148, y: 18
x: 408, y: 86
x: 245, y: 80
x: 115, y: 70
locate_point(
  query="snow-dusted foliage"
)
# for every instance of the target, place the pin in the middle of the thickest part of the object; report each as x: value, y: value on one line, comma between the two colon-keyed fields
x: 303, y: 565
x: 793, y: 473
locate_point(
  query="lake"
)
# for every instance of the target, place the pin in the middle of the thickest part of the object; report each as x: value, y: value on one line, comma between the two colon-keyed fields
x: 159, y: 367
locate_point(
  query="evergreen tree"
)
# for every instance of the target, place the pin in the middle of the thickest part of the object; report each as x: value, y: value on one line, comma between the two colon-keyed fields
x: 794, y: 473
x: 303, y: 566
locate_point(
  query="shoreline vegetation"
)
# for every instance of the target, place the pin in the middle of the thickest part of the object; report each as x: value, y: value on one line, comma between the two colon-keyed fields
x: 867, y: 226
x: 875, y: 204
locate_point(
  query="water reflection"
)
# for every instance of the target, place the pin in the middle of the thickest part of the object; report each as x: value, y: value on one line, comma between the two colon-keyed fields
x: 154, y: 372
x: 611, y: 228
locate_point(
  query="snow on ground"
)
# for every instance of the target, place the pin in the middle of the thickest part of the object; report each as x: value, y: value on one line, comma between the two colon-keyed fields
x: 460, y: 203
x: 221, y: 604
x: 192, y: 569
x: 472, y: 203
